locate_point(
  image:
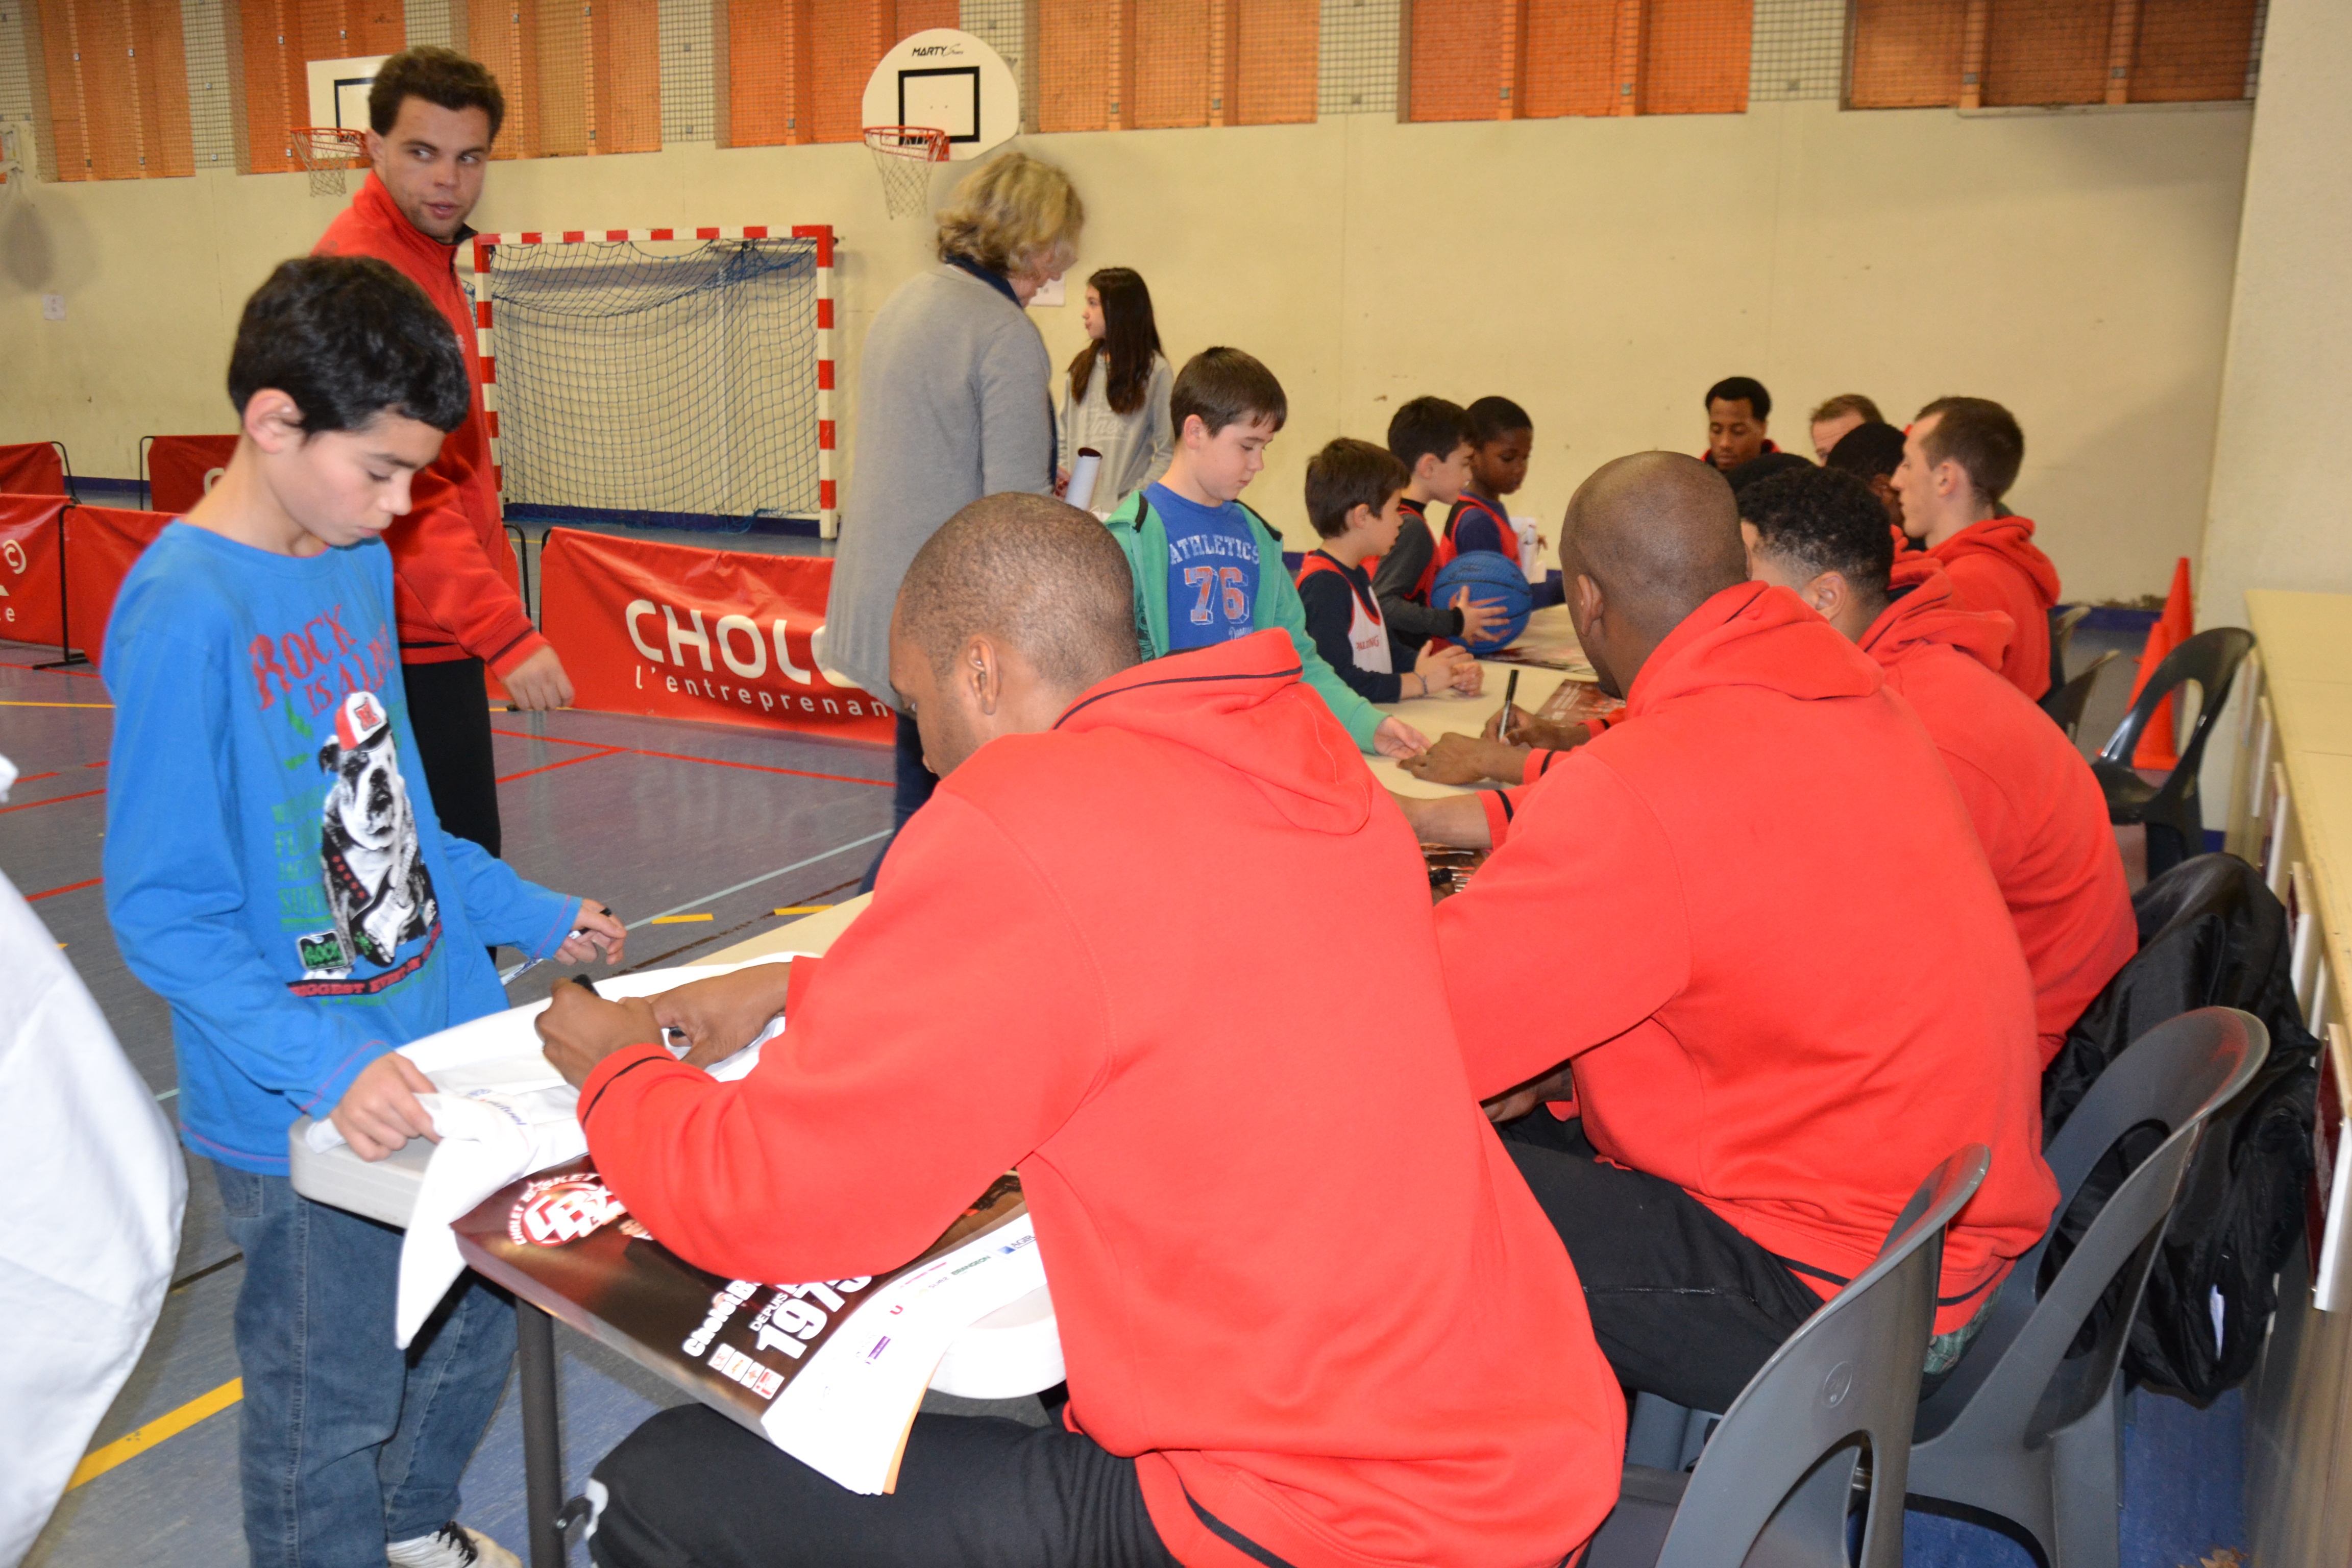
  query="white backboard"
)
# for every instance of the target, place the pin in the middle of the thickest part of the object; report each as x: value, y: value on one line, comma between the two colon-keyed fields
x: 339, y: 90
x: 947, y: 80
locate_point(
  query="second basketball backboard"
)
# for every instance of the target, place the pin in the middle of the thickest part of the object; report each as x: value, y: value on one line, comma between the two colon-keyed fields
x: 338, y: 91
x: 944, y: 80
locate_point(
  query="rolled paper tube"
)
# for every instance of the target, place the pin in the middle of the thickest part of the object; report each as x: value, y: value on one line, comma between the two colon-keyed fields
x: 1081, y: 491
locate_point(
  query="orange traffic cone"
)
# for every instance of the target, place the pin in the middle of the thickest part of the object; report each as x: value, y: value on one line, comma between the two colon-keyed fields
x: 2158, y: 748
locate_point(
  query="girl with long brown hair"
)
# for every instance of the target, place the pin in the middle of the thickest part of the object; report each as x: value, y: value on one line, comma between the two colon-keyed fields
x: 1117, y: 397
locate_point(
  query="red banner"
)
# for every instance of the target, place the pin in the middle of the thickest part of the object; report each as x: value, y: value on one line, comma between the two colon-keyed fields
x: 32, y: 469
x: 28, y: 567
x: 181, y: 469
x: 103, y: 543
x: 714, y: 635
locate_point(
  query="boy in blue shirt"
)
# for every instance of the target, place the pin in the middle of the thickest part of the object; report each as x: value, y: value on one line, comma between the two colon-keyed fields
x: 1207, y: 569
x: 278, y: 875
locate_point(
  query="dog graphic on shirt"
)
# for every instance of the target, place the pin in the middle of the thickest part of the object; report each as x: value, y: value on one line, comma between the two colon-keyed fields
x: 378, y: 887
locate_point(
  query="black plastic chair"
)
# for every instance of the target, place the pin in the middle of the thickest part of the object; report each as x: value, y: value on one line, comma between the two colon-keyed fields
x: 2063, y: 619
x: 2065, y: 704
x: 1831, y: 1411
x: 2025, y: 1430
x: 2176, y: 827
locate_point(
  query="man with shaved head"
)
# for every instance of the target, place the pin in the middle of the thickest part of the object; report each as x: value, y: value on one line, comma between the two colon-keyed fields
x: 1778, y: 981
x: 1285, y: 1341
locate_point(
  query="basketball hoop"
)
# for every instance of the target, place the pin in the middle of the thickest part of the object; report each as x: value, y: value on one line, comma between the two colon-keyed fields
x: 904, y: 155
x: 325, y: 151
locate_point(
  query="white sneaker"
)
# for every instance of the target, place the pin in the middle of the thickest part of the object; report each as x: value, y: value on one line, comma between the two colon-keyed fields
x: 451, y: 1546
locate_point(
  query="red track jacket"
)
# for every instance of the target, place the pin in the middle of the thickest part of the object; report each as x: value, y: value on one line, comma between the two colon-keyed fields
x: 451, y: 595
x: 1995, y: 565
x: 1723, y: 914
x: 1354, y: 1338
x: 2038, y: 811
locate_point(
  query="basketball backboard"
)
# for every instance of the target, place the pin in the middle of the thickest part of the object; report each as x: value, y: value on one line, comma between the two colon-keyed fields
x: 339, y: 90
x: 948, y: 80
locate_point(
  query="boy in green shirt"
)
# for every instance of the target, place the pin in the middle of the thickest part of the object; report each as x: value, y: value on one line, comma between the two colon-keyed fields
x: 1207, y: 569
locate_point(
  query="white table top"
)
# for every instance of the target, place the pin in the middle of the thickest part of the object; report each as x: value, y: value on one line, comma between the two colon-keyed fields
x: 2305, y: 644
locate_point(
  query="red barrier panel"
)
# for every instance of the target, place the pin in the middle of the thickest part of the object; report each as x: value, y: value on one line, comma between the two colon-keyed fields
x: 33, y: 468
x: 28, y: 568
x: 103, y: 543
x: 714, y: 635
x: 181, y: 469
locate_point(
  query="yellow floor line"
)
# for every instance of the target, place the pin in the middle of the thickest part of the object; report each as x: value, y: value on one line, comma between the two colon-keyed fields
x: 802, y: 910
x: 678, y: 919
x: 55, y: 704
x: 138, y: 1439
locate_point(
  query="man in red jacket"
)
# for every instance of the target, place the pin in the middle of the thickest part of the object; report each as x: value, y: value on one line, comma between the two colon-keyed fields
x: 1750, y: 932
x: 1286, y: 1341
x: 2037, y: 809
x: 434, y: 114
x: 1959, y: 458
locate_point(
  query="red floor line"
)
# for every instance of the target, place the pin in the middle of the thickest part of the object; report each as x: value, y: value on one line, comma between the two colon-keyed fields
x: 53, y: 800
x: 566, y: 762
x: 681, y: 757
x: 91, y: 674
x: 35, y: 778
x: 68, y: 888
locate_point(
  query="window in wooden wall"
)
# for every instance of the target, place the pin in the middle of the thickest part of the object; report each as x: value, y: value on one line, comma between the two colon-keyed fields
x: 1976, y: 54
x: 794, y: 71
x: 1141, y: 65
x: 111, y: 88
x: 1514, y: 60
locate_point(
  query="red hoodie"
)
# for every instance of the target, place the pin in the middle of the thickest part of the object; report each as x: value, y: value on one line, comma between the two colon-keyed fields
x: 1994, y: 565
x: 1353, y: 1339
x: 2038, y: 811
x: 450, y: 593
x: 1717, y: 886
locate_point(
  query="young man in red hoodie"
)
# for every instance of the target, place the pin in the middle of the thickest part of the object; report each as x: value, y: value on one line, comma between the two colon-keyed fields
x: 1775, y: 974
x: 1286, y: 1341
x: 2038, y: 811
x: 432, y: 115
x: 1959, y: 458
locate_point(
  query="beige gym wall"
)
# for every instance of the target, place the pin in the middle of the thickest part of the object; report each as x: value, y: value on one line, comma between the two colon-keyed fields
x: 1601, y: 272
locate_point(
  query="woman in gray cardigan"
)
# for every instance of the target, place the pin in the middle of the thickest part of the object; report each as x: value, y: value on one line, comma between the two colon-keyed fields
x: 954, y: 403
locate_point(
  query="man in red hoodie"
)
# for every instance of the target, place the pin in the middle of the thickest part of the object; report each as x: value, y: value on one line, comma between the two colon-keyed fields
x: 1776, y: 976
x: 1959, y: 458
x: 1285, y: 1341
x: 434, y: 114
x: 2038, y: 811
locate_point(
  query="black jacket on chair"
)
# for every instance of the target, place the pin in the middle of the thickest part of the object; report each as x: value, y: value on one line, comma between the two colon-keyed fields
x: 2210, y: 935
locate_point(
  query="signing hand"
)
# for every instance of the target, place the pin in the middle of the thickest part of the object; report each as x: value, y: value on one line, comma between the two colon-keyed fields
x: 539, y: 682
x: 1461, y: 760
x: 720, y: 1015
x: 379, y: 1113
x: 1395, y: 738
x: 581, y: 1030
x: 602, y: 934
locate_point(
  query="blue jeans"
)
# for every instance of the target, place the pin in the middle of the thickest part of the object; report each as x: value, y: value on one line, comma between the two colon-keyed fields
x: 347, y: 1441
x: 915, y: 784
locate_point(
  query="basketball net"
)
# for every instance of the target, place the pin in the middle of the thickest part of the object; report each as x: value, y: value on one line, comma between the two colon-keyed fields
x: 904, y: 155
x: 325, y: 151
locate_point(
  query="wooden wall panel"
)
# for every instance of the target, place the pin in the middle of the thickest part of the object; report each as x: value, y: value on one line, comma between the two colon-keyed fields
x: 114, y: 74
x: 1277, y: 54
x: 1695, y: 55
x: 2046, y: 51
x: 1171, y: 73
x: 2192, y: 50
x: 1906, y: 54
x: 1571, y: 59
x: 1457, y: 49
x: 1075, y: 63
